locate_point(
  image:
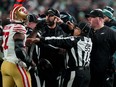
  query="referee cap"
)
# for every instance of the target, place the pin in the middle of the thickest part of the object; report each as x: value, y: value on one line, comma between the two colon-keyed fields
x: 84, y: 26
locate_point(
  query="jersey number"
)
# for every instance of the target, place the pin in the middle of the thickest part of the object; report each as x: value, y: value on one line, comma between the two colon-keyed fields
x: 87, y: 48
x: 6, y: 35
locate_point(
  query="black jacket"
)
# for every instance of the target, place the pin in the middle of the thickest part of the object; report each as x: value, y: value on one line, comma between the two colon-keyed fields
x: 104, y: 46
x: 51, y: 53
x: 110, y: 23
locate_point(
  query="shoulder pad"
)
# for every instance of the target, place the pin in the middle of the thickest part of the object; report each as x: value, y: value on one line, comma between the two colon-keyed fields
x: 19, y: 28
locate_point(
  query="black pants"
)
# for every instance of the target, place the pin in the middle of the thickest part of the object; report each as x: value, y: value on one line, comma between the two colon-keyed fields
x: 48, y: 79
x: 114, y: 83
x: 101, y: 79
x: 33, y: 80
x: 47, y: 74
x: 76, y: 78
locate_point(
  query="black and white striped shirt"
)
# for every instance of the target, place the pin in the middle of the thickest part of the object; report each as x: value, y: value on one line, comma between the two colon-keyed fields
x: 78, y: 49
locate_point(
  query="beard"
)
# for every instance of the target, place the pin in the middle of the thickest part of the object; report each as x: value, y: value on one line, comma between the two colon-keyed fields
x: 50, y: 23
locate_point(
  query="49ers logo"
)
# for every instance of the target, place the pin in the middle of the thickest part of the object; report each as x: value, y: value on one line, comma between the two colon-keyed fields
x: 22, y: 9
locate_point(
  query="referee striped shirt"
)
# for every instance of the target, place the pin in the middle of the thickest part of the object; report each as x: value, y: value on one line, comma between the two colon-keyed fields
x: 78, y: 49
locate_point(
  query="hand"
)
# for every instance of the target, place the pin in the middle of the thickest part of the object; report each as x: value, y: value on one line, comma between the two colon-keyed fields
x: 28, y: 42
x: 32, y: 40
x: 58, y: 20
x: 36, y: 40
x: 70, y: 25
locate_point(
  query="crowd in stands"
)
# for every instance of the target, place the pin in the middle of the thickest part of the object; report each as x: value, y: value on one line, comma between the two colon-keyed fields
x: 77, y: 8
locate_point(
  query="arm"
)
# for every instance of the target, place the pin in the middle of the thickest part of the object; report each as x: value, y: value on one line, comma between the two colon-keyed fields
x: 63, y: 42
x: 20, y: 50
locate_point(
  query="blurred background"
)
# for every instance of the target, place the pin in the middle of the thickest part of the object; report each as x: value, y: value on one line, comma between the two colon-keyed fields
x: 77, y: 8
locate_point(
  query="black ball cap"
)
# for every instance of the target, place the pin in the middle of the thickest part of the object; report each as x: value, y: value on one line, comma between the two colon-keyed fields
x: 53, y: 12
x: 84, y: 26
x: 95, y: 13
